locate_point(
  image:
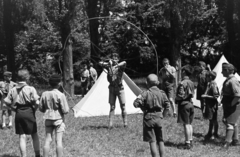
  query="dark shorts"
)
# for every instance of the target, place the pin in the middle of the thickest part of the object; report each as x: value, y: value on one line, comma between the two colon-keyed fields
x: 185, y: 113
x: 115, y: 92
x: 152, y: 127
x: 25, y: 121
x: 232, y: 113
x: 169, y: 90
x: 211, y: 112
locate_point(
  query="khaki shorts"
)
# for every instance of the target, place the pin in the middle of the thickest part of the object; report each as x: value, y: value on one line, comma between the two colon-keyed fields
x: 115, y: 92
x: 57, y: 125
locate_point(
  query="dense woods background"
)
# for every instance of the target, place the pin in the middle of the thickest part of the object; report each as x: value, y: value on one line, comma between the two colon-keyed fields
x: 40, y: 34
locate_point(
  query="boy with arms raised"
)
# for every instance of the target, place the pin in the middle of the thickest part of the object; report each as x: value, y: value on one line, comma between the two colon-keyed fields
x: 153, y: 103
x: 184, y: 94
x: 54, y: 105
x: 5, y: 87
x: 115, y: 72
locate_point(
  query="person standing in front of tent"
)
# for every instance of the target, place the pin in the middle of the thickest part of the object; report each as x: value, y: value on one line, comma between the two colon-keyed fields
x: 154, y: 103
x: 202, y: 83
x: 167, y: 76
x: 5, y: 87
x: 211, y: 109
x: 184, y: 94
x: 24, y: 100
x: 115, y: 72
x: 54, y: 105
x: 231, y: 105
x: 92, y: 75
x: 84, y: 79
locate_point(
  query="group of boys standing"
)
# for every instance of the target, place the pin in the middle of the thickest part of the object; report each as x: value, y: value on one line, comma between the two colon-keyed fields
x: 23, y: 99
x: 155, y: 104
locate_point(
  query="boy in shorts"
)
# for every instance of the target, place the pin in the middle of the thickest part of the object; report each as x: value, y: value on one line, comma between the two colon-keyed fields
x: 54, y: 105
x: 184, y: 94
x: 5, y: 87
x: 211, y: 105
x: 115, y: 72
x: 154, y: 103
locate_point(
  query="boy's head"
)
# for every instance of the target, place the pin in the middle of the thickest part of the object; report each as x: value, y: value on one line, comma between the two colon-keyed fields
x: 152, y: 80
x: 115, y: 57
x: 7, y: 76
x: 211, y: 75
x: 84, y: 66
x: 202, y: 64
x: 187, y: 71
x: 165, y: 62
x: 227, y: 69
x: 55, y: 80
x: 23, y: 75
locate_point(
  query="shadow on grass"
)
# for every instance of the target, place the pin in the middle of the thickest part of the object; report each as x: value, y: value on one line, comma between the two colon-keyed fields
x: 198, y: 135
x: 170, y: 144
x: 94, y: 127
x: 7, y: 155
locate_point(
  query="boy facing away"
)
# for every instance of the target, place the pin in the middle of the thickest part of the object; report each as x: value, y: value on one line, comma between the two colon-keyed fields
x: 5, y: 87
x: 153, y: 103
x: 54, y: 106
x: 211, y: 105
x: 184, y: 94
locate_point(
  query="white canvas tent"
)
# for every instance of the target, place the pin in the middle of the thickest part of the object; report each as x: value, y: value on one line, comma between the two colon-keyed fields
x: 219, y: 79
x: 95, y: 102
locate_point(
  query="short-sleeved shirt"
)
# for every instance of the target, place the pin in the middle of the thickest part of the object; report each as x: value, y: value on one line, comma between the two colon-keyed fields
x: 22, y: 94
x: 5, y: 87
x: 185, y: 91
x: 115, y: 75
x: 202, y: 84
x: 54, y: 104
x: 93, y: 74
x: 212, y: 90
x: 167, y: 79
x: 152, y: 102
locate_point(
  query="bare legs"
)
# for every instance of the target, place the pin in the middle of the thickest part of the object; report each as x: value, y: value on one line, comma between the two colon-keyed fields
x: 157, y: 147
x: 22, y: 144
x: 112, y: 112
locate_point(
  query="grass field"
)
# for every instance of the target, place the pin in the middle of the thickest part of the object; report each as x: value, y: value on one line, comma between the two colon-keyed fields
x: 90, y: 137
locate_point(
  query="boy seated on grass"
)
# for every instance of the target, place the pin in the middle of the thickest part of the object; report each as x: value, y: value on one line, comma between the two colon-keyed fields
x: 54, y: 105
x: 154, y: 103
x: 211, y: 105
x: 184, y: 94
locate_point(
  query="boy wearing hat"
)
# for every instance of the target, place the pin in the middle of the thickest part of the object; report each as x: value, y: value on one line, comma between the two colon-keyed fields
x: 154, y: 103
x: 184, y: 94
x: 54, y: 105
x: 231, y: 105
x: 5, y: 87
x: 211, y: 105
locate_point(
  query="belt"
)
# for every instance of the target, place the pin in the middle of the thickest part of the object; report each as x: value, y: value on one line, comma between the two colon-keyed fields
x: 154, y: 111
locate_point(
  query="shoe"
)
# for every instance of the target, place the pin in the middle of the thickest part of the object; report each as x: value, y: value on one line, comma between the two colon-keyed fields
x: 10, y: 127
x: 4, y: 127
x: 185, y: 146
x: 191, y: 144
x: 226, y: 145
x: 125, y: 125
x: 235, y: 142
x: 207, y: 137
x: 216, y: 136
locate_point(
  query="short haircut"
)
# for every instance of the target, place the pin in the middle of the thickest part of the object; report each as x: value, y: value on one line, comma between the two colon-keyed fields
x: 55, y: 80
x: 187, y: 70
x: 212, y: 74
x: 165, y: 59
x: 152, y: 79
x: 201, y: 63
x: 23, y: 75
x: 115, y: 55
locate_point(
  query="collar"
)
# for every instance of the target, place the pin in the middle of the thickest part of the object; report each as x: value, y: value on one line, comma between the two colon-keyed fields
x: 21, y: 84
x: 230, y: 76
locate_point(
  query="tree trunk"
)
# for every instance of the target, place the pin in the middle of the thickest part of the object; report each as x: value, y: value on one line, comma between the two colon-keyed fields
x: 68, y: 78
x: 230, y: 27
x: 93, y: 11
x: 9, y: 36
